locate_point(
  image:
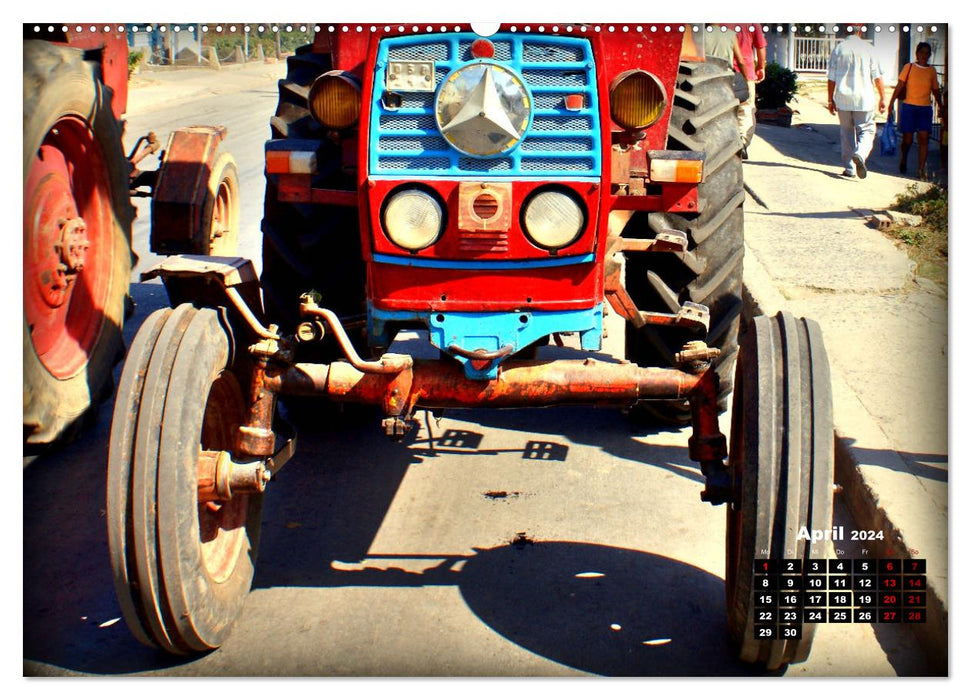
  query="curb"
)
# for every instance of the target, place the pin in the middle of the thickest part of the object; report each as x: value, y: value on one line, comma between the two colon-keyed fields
x: 761, y: 297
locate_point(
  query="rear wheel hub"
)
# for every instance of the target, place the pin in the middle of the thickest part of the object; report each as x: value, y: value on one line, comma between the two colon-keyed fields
x: 67, y: 231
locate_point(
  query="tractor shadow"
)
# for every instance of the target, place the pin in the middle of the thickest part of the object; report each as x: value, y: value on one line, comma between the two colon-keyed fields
x: 599, y: 609
x: 71, y: 616
x: 603, y: 610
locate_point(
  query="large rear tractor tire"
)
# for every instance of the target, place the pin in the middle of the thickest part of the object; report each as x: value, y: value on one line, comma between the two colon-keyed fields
x: 311, y: 247
x: 710, y: 272
x: 77, y: 241
x: 182, y: 567
x: 781, y: 459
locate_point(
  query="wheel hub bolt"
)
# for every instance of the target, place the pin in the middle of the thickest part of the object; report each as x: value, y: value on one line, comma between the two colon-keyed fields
x: 73, y: 245
x: 220, y: 478
x: 696, y: 351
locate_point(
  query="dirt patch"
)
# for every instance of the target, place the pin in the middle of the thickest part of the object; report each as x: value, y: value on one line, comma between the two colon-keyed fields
x: 500, y: 495
x: 926, y: 244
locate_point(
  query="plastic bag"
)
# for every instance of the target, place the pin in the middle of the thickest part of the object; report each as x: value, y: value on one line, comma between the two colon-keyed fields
x: 888, y: 139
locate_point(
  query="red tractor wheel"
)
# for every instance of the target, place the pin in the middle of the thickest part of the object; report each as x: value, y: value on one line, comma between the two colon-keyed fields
x: 76, y: 246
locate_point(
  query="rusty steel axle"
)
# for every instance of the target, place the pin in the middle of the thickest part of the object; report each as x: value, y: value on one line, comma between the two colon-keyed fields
x: 400, y: 384
x: 521, y: 383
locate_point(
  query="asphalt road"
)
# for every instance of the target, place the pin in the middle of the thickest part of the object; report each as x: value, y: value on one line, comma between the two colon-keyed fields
x: 551, y: 542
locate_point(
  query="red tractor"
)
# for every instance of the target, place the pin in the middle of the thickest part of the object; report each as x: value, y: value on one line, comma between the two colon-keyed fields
x: 496, y: 193
x: 78, y: 185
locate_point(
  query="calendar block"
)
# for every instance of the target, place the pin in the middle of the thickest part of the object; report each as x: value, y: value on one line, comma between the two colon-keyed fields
x: 789, y: 593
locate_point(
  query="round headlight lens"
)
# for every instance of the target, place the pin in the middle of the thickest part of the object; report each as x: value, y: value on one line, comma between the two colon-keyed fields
x: 335, y: 100
x: 483, y: 109
x: 553, y: 219
x: 636, y: 99
x: 413, y: 219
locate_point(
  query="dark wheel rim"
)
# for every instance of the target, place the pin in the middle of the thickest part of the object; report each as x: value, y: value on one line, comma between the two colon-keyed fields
x: 67, y: 246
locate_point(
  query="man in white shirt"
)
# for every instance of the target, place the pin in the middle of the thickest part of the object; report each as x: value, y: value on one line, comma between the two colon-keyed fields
x: 853, y: 72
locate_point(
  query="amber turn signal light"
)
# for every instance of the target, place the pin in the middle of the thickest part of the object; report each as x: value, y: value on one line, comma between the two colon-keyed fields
x: 335, y: 100
x: 637, y: 99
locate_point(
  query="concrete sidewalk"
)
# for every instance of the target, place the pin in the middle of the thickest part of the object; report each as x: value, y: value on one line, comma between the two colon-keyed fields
x: 809, y: 251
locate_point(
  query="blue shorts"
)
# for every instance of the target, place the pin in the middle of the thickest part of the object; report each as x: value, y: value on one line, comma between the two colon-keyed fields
x: 913, y: 118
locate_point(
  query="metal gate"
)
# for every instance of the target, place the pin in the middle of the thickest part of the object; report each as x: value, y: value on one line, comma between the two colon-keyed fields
x: 812, y: 53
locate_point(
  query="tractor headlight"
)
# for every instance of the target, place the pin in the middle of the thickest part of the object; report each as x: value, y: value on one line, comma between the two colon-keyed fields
x: 335, y: 100
x: 637, y: 99
x: 553, y: 219
x: 412, y: 219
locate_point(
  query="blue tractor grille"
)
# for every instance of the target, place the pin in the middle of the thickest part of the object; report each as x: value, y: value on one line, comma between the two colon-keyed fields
x: 405, y: 140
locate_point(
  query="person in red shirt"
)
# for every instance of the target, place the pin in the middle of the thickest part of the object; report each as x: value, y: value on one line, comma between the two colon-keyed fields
x: 752, y: 44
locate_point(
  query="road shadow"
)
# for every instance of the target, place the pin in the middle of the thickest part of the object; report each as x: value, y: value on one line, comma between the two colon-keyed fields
x: 329, y: 501
x: 838, y: 215
x: 817, y: 144
x: 926, y: 465
x: 792, y: 166
x: 71, y: 615
x: 599, y: 609
x: 606, y: 428
x: 604, y: 610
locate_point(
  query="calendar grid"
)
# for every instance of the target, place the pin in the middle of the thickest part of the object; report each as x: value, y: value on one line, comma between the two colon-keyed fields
x: 790, y: 593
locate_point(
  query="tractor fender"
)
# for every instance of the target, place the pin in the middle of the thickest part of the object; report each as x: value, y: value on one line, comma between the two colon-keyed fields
x: 184, y: 191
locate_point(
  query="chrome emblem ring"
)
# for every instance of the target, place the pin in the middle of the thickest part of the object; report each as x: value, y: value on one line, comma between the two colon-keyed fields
x: 483, y: 109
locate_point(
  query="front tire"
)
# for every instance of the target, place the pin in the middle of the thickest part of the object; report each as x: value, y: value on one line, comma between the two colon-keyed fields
x: 182, y: 568
x: 220, y: 209
x: 781, y: 459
